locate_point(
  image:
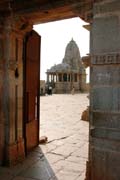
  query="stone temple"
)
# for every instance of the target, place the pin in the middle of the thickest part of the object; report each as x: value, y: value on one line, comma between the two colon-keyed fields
x: 70, y: 73
x: 20, y: 70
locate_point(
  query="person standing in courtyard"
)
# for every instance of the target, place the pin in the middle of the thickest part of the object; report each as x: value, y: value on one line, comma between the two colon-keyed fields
x: 73, y: 90
x: 50, y: 90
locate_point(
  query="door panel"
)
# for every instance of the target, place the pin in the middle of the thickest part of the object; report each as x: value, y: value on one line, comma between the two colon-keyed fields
x: 31, y: 89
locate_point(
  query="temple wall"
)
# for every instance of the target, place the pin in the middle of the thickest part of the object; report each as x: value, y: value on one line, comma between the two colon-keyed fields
x: 62, y: 87
x: 104, y: 149
x: 66, y: 87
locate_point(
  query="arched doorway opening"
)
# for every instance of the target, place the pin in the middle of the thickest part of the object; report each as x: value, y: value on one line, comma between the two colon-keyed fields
x: 49, y: 108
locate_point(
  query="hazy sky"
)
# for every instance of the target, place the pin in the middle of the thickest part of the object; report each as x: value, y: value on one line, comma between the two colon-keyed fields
x: 54, y: 38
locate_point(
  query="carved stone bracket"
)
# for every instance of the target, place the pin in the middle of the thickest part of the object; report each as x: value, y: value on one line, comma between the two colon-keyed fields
x: 22, y: 25
x: 113, y: 58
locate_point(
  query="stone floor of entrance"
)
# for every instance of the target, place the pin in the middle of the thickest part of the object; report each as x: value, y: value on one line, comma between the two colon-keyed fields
x: 65, y: 154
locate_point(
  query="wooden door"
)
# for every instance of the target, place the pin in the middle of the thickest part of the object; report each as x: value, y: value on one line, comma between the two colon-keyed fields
x: 31, y: 89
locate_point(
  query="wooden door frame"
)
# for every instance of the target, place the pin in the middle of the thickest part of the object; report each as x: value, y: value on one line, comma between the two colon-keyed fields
x: 24, y: 89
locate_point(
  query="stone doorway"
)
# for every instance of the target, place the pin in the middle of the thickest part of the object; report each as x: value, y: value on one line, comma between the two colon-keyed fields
x: 104, y: 18
x: 65, y: 139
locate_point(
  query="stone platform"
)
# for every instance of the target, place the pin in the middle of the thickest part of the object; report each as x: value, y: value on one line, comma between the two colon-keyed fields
x: 65, y: 154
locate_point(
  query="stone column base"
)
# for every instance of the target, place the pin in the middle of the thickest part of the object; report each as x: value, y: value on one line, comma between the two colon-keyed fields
x: 16, y: 153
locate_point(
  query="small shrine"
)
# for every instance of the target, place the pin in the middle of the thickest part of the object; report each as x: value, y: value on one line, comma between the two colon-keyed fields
x: 70, y: 73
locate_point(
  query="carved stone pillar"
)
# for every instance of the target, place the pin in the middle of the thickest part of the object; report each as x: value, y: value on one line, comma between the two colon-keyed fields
x: 57, y: 78
x: 104, y: 149
x: 47, y: 77
x: 78, y: 77
x: 53, y: 78
x: 62, y: 77
x: 70, y: 77
x: 80, y: 82
x: 67, y: 77
x: 11, y: 90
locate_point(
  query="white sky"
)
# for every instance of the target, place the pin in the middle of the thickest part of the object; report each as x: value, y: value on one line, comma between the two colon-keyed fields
x: 54, y: 38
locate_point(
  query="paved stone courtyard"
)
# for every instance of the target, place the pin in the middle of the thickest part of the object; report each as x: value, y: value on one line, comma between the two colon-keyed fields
x: 64, y: 156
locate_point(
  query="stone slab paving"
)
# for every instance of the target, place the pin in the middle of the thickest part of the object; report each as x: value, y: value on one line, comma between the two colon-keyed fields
x: 65, y: 154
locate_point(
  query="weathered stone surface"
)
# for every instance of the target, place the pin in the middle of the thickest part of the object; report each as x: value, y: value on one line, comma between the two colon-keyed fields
x: 106, y: 120
x: 106, y: 75
x: 65, y: 150
x: 105, y: 144
x: 108, y: 161
x: 106, y: 37
x: 106, y: 98
x: 97, y: 161
x: 107, y: 7
x: 66, y: 175
x: 105, y: 133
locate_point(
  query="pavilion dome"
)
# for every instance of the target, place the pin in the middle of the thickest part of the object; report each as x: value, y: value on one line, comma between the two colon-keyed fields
x: 60, y: 67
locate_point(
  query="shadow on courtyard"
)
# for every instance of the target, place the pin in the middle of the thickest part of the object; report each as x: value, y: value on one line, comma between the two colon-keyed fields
x: 35, y: 166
